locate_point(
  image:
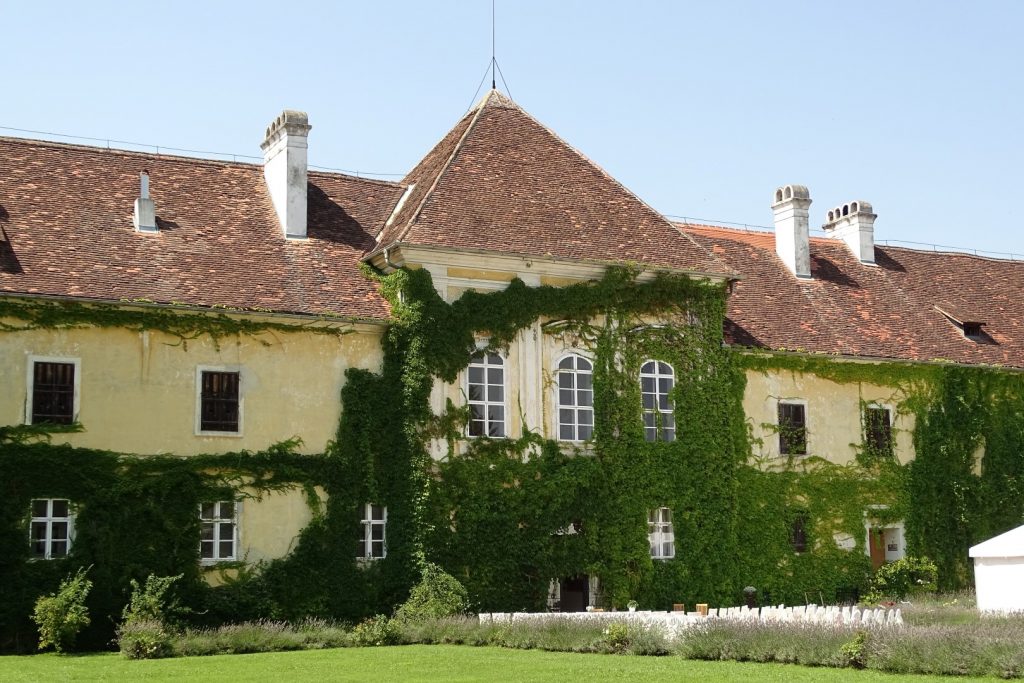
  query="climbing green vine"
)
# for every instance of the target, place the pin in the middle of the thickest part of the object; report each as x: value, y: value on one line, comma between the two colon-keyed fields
x: 20, y: 315
x: 506, y: 516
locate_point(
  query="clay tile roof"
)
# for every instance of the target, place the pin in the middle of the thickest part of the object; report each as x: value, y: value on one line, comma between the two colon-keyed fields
x: 66, y: 220
x: 891, y: 310
x: 500, y: 181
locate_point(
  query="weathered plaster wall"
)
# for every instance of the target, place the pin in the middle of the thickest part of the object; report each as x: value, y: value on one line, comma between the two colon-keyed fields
x: 138, y: 390
x: 833, y: 413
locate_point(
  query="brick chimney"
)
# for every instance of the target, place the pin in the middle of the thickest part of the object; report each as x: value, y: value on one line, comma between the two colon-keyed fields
x: 792, y: 228
x: 854, y: 223
x: 285, y: 170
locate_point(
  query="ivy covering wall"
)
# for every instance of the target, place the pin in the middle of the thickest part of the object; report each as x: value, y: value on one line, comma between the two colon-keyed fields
x: 495, y: 512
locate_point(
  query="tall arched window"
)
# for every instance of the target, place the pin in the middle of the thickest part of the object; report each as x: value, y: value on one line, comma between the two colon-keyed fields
x: 485, y: 388
x: 656, y: 381
x: 575, y: 398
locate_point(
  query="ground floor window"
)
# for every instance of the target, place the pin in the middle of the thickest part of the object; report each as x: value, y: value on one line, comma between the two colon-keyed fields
x: 51, y: 527
x: 372, y: 542
x: 219, y: 531
x: 660, y: 534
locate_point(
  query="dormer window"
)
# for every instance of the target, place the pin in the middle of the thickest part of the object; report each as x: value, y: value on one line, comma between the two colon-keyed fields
x: 968, y: 324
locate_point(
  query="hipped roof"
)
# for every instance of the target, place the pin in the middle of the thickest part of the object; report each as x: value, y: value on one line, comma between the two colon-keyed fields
x: 500, y: 181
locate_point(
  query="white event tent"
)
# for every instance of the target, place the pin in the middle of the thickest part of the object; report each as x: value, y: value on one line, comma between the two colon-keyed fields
x: 999, y: 572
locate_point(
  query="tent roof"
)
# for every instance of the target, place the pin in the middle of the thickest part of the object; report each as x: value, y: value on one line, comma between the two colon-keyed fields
x: 1010, y: 544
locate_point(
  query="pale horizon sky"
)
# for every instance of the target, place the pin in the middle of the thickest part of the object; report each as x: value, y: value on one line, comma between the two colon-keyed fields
x: 701, y: 109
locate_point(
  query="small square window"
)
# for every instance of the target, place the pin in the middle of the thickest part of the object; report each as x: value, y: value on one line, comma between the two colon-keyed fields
x: 52, y: 392
x: 372, y: 541
x: 219, y: 401
x: 218, y: 534
x: 792, y: 429
x: 51, y: 528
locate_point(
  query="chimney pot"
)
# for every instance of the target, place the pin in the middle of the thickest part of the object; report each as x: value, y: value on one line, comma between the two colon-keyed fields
x: 792, y: 228
x: 285, y: 169
x: 854, y: 223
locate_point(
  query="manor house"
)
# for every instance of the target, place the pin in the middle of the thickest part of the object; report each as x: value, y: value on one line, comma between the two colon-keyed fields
x: 157, y: 305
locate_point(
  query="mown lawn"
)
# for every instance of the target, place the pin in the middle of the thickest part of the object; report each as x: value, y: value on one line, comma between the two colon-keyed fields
x: 423, y: 663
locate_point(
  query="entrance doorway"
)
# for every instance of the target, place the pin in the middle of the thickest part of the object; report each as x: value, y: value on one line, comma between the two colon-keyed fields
x: 574, y: 593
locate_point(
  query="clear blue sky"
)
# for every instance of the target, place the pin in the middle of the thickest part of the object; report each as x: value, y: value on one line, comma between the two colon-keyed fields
x: 700, y: 108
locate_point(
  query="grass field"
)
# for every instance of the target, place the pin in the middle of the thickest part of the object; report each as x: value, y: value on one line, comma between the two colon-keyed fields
x: 424, y: 663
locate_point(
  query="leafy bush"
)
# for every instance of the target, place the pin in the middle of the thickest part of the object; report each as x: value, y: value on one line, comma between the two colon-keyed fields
x: 145, y: 632
x: 437, y: 595
x: 149, y: 601
x: 853, y: 651
x: 378, y: 630
x: 143, y: 638
x: 898, y: 579
x: 62, y: 615
x: 616, y: 637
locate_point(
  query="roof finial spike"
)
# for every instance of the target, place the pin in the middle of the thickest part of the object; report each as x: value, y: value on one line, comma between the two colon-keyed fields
x: 494, y: 85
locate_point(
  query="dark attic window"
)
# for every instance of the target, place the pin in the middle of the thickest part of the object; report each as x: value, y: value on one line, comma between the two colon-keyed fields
x: 962, y: 319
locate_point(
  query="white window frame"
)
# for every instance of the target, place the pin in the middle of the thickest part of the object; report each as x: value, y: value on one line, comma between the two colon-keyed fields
x: 367, y: 524
x: 200, y: 369
x: 486, y: 403
x: 807, y: 425
x: 660, y: 533
x: 575, y: 406
x: 49, y: 519
x: 216, y: 521
x: 658, y: 411
x: 30, y: 380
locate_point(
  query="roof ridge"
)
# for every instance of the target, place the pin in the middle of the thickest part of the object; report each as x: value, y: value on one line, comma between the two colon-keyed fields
x: 177, y: 158
x: 447, y: 164
x: 36, y: 142
x: 338, y: 174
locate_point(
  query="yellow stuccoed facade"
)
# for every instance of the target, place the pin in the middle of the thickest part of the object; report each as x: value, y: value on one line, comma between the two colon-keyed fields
x: 833, y: 412
x: 137, y: 393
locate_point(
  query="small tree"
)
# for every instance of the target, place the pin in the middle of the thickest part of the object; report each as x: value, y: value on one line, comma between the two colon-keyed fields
x: 60, y: 616
x: 438, y: 594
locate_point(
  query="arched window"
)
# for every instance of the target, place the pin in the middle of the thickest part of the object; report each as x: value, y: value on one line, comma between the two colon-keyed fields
x: 656, y: 381
x: 485, y: 388
x: 575, y: 399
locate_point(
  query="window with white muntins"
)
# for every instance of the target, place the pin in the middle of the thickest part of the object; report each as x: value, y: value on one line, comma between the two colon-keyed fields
x: 51, y: 528
x: 218, y: 536
x: 657, y: 379
x: 660, y: 534
x: 485, y: 388
x: 575, y: 398
x: 373, y: 541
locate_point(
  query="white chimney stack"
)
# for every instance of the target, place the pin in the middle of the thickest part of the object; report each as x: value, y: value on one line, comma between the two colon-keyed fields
x: 145, y: 210
x: 285, y: 170
x: 792, y: 228
x: 854, y: 223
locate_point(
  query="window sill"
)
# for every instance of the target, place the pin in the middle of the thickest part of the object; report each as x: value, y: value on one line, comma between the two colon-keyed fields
x: 367, y: 562
x: 236, y: 435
